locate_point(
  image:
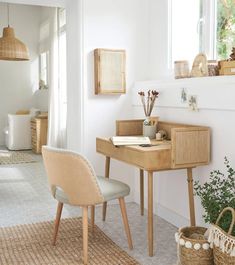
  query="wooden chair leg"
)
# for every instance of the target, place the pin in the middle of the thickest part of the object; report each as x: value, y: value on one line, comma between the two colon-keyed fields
x: 125, y: 221
x: 85, y: 234
x: 57, y: 221
x: 104, y: 211
x: 142, y: 192
x: 92, y: 217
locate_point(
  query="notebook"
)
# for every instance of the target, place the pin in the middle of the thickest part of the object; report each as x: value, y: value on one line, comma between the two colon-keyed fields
x: 130, y: 140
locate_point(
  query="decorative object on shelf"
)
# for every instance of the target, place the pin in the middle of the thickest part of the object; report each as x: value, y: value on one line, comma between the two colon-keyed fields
x: 226, y: 67
x: 110, y: 73
x: 181, y: 69
x: 193, y: 246
x: 217, y: 194
x: 223, y: 243
x: 12, y: 49
x: 150, y: 124
x: 199, y: 68
x: 213, y: 68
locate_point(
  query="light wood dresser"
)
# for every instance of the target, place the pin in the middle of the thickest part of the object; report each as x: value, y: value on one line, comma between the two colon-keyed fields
x: 39, y: 133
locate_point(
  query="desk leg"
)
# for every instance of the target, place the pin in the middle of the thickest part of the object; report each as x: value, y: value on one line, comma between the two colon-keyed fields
x: 150, y: 213
x: 191, y: 197
x: 142, y: 192
x: 107, y: 169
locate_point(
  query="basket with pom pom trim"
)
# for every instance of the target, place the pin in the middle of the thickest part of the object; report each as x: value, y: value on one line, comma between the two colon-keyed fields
x: 223, y: 243
x: 193, y: 249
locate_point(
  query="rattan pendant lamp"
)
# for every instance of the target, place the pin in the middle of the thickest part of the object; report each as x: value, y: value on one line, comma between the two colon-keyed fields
x: 12, y: 49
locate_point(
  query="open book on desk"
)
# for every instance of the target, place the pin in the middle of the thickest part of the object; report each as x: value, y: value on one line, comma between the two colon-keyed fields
x: 130, y: 140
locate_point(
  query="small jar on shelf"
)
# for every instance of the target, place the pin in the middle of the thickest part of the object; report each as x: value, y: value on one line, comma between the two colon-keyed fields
x: 181, y: 69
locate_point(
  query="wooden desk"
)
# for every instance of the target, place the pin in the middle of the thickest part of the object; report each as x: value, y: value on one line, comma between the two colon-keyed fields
x: 188, y: 146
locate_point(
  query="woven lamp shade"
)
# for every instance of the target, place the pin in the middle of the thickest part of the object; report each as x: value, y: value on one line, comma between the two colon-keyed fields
x: 11, y: 48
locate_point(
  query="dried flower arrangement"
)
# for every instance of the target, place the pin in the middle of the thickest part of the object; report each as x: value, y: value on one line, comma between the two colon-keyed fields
x: 148, y: 102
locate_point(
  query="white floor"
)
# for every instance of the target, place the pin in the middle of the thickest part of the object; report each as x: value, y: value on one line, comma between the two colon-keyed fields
x: 25, y: 198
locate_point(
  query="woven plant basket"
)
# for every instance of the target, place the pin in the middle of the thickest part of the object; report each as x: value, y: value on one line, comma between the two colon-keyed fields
x: 193, y: 251
x: 223, y: 243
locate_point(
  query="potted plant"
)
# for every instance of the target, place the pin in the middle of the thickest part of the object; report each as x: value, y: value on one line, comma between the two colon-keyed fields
x: 217, y: 194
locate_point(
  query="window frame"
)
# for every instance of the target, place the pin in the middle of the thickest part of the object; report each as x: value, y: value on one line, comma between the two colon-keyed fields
x: 47, y: 67
x: 208, y: 43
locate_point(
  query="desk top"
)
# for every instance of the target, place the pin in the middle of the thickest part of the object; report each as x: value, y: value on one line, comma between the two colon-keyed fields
x: 187, y: 148
x: 157, y: 157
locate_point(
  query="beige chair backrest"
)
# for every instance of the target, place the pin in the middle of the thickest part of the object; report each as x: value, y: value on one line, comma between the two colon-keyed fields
x: 72, y: 173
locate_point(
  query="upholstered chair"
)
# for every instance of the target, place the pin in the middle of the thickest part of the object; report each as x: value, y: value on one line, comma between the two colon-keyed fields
x: 73, y: 181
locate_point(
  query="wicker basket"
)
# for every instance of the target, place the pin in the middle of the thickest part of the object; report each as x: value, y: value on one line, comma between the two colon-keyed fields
x: 223, y: 243
x: 193, y: 251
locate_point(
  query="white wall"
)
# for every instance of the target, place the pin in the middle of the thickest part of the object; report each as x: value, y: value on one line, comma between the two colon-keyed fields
x: 19, y: 79
x: 118, y: 25
x: 217, y: 110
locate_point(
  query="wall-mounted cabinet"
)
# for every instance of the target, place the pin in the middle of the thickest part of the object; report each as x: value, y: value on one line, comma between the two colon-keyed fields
x: 110, y: 73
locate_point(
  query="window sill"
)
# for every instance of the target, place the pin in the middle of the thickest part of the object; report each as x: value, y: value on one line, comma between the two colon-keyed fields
x: 222, y: 79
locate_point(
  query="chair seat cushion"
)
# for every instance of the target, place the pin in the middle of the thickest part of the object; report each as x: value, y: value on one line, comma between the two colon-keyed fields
x: 61, y: 196
x: 112, y: 189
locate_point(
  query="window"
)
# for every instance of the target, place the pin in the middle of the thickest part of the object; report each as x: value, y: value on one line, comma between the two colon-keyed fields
x: 206, y: 26
x: 43, y: 69
x: 185, y: 16
x: 225, y: 28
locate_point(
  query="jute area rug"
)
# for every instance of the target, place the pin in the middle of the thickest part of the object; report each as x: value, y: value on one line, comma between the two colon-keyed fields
x: 31, y: 244
x: 15, y: 157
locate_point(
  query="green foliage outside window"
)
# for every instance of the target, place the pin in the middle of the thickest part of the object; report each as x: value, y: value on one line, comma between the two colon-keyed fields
x: 225, y: 28
x: 216, y: 194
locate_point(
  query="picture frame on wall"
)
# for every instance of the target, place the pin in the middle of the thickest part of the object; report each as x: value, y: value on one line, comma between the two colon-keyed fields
x: 110, y: 71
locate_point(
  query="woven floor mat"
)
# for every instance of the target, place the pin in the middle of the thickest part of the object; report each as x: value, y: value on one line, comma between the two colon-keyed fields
x: 15, y: 157
x: 31, y: 244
